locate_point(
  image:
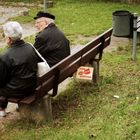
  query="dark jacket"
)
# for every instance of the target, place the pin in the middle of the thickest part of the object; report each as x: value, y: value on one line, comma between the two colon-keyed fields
x: 52, y: 44
x: 3, y: 73
x: 21, y: 67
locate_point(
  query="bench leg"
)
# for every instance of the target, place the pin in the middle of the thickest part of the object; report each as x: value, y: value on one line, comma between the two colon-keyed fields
x: 138, y: 38
x: 40, y: 110
x: 95, y: 64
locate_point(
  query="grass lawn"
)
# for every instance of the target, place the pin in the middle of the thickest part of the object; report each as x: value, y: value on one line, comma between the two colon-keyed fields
x: 109, y: 111
x: 82, y: 17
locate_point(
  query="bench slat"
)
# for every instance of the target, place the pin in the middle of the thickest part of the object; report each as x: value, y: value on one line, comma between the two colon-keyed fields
x: 28, y: 100
x: 13, y: 100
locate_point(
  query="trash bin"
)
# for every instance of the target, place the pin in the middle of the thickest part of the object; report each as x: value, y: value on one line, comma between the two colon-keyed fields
x: 122, y: 23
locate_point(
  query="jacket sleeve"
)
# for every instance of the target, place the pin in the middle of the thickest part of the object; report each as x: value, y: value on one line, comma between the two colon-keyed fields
x: 38, y: 42
x: 3, y: 73
x: 41, y: 45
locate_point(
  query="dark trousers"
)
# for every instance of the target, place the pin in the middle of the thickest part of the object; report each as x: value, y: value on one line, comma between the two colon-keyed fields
x: 3, y: 102
x: 9, y: 93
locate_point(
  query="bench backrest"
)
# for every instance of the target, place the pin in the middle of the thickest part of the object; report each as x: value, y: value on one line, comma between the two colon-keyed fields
x: 69, y: 65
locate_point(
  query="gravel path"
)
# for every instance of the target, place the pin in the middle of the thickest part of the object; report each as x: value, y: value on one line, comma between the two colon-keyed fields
x: 8, y: 12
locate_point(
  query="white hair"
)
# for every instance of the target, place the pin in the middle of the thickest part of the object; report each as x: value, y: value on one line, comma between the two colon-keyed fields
x: 13, y: 30
x: 48, y: 20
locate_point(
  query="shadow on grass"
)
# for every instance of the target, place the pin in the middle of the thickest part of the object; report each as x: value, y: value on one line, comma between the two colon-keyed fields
x: 72, y: 97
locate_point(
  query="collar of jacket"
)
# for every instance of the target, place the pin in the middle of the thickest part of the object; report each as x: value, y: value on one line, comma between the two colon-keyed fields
x: 17, y: 43
x: 50, y: 25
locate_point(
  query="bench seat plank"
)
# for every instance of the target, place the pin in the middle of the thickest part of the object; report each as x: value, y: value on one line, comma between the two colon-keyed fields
x: 28, y: 100
x: 13, y: 100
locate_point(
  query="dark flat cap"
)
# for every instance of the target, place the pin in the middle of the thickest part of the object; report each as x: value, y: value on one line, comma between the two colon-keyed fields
x: 44, y: 14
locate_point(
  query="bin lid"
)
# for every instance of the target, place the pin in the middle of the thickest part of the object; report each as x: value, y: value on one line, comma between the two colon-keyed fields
x: 121, y: 13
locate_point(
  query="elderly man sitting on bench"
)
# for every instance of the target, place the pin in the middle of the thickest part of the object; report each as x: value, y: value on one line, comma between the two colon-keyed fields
x: 18, y: 66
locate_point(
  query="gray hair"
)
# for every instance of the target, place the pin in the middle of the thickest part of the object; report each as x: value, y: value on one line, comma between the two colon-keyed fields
x: 48, y: 20
x: 13, y: 30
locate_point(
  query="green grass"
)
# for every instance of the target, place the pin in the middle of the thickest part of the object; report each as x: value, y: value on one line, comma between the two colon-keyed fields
x: 87, y: 18
x: 85, y: 111
x: 25, y: 1
x: 81, y: 17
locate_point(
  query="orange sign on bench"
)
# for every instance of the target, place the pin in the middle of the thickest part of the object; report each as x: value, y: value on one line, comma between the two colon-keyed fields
x: 85, y: 73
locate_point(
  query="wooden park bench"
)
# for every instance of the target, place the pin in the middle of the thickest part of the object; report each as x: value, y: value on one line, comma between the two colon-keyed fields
x: 138, y: 30
x: 38, y: 106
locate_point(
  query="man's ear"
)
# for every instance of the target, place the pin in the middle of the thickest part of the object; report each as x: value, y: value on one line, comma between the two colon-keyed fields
x: 9, y: 40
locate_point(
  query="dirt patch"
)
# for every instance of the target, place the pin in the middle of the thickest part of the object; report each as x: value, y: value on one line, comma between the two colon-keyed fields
x: 12, y: 115
x: 7, y: 12
x: 117, y: 42
x: 114, y: 44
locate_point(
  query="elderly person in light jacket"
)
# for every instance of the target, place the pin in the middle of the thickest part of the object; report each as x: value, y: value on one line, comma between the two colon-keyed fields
x: 18, y: 66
